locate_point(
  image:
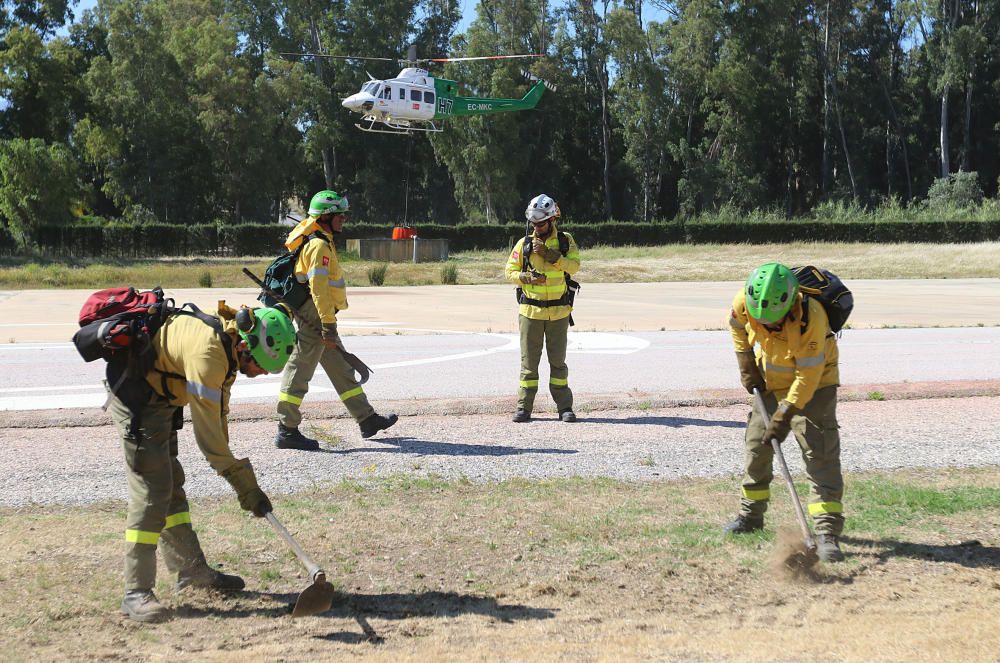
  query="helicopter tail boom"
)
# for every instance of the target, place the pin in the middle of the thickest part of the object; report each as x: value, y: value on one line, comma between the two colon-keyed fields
x: 485, y: 105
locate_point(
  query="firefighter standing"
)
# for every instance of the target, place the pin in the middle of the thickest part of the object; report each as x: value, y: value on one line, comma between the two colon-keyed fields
x: 540, y: 265
x: 796, y: 371
x: 317, y: 266
x: 196, y: 365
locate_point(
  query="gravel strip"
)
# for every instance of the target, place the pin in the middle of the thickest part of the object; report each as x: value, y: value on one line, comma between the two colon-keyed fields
x: 84, y: 465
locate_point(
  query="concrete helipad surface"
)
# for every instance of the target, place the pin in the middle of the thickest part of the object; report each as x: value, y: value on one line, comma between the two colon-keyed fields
x: 50, y: 315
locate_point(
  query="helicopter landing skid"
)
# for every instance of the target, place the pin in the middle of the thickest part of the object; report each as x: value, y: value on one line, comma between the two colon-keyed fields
x: 394, y: 127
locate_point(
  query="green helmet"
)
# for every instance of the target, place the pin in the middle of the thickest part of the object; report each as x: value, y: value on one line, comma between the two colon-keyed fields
x: 271, y: 339
x: 328, y: 202
x: 770, y: 292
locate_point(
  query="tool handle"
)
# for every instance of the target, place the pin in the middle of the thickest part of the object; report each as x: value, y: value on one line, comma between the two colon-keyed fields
x: 800, y: 514
x: 361, y: 367
x: 312, y: 568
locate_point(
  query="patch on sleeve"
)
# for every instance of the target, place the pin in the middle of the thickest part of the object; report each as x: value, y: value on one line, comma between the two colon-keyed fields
x: 517, y: 255
x: 326, y: 261
x: 732, y: 312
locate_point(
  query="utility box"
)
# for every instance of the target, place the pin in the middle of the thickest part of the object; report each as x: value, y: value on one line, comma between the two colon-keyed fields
x: 400, y: 250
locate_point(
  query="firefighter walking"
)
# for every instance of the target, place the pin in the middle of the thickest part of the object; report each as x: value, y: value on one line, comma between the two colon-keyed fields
x: 318, y: 341
x: 196, y: 365
x: 796, y: 371
x: 541, y: 265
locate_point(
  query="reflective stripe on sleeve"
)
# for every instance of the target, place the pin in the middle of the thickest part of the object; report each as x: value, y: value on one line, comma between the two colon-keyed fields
x: 351, y: 393
x: 182, y: 518
x: 772, y: 368
x: 317, y: 271
x: 818, y: 508
x: 339, y: 283
x: 139, y: 536
x: 733, y: 322
x: 201, y: 391
x: 809, y: 362
x: 756, y: 495
x: 288, y: 398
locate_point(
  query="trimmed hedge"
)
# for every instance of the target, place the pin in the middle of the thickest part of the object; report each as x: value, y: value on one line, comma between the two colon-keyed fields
x: 119, y: 240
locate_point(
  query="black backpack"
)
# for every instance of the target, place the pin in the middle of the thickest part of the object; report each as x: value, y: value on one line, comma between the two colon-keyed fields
x: 572, y: 287
x: 827, y: 288
x: 280, y: 277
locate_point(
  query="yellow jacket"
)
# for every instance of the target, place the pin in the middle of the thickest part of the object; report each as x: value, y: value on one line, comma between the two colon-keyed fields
x: 318, y: 266
x: 192, y: 368
x: 555, y: 280
x: 795, y: 362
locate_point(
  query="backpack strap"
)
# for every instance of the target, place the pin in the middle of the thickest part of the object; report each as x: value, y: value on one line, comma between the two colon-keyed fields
x: 526, y: 249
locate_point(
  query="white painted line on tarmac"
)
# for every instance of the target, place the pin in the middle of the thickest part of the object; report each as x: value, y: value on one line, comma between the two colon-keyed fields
x: 578, y: 343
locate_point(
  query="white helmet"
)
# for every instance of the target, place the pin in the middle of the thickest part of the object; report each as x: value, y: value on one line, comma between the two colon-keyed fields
x: 540, y: 208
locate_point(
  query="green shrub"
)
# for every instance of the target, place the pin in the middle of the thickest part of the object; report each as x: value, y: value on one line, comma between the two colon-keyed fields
x: 376, y: 274
x: 449, y: 274
x: 959, y: 190
x: 205, y: 280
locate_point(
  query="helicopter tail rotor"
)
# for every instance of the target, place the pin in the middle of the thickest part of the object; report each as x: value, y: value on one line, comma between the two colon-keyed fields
x: 534, y: 79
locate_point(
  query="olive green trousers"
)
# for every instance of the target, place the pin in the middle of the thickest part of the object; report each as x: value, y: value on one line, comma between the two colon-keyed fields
x: 818, y: 434
x: 158, y: 513
x: 552, y: 334
x: 310, y: 352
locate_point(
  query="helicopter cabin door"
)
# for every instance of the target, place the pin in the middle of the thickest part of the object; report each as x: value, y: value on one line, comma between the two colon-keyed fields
x: 416, y: 102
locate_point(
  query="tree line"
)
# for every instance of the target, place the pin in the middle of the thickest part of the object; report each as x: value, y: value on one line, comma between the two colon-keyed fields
x: 187, y: 111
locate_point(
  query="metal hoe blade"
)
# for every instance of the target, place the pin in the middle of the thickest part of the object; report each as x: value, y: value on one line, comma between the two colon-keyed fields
x: 317, y: 597
x: 314, y: 599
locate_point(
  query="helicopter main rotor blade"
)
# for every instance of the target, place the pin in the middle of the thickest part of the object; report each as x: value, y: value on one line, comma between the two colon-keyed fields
x: 484, y: 57
x: 337, y: 57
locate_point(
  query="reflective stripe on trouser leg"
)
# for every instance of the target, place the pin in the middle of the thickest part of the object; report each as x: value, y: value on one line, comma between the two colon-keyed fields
x: 149, y: 475
x: 342, y: 376
x: 532, y: 334
x: 757, y: 458
x: 178, y: 542
x: 818, y: 434
x: 556, y: 339
x: 299, y: 371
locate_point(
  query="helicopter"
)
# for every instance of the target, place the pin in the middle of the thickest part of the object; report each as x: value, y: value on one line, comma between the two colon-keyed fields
x: 416, y: 101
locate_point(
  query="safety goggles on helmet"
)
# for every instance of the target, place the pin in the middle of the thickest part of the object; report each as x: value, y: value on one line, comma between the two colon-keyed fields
x: 271, y: 339
x: 328, y: 202
x: 541, y: 208
x: 770, y: 292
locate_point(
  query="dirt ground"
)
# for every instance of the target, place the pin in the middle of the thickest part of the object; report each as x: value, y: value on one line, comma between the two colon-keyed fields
x: 581, y: 570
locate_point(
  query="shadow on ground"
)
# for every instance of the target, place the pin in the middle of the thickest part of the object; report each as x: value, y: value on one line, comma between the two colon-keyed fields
x: 672, y: 422
x: 971, y: 554
x: 412, y: 445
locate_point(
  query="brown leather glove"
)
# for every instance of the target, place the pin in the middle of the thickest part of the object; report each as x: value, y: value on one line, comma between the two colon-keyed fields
x: 781, y: 423
x: 241, y: 477
x: 749, y: 373
x: 549, y: 255
x: 532, y: 278
x: 330, y: 338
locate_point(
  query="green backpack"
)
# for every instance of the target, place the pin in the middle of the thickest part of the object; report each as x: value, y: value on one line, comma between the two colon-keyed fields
x: 280, y: 277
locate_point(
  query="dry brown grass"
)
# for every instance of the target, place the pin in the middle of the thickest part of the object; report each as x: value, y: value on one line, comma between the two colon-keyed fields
x: 684, y: 262
x: 524, y: 570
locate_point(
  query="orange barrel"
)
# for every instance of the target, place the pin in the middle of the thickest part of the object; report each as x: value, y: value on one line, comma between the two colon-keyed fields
x: 397, y: 233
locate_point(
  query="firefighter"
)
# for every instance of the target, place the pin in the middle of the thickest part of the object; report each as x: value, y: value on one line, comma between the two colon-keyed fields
x: 796, y: 371
x: 197, y: 357
x: 541, y: 265
x: 317, y: 266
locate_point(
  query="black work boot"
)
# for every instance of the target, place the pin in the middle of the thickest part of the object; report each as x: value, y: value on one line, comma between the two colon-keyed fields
x: 742, y: 524
x: 292, y: 438
x: 375, y: 423
x: 568, y: 416
x: 141, y: 605
x: 828, y: 548
x: 521, y: 416
x: 206, y: 577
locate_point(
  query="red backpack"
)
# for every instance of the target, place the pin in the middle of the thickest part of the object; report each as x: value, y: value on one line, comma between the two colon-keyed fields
x: 112, y: 319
